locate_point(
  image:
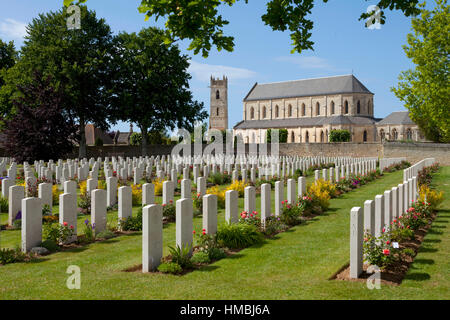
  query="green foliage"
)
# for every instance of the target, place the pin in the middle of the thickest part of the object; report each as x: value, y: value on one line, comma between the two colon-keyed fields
x: 98, y: 142
x: 169, y: 212
x: 50, y: 245
x: 170, y: 267
x: 105, y: 234
x: 219, y: 178
x: 133, y: 223
x: 4, y: 206
x: 215, y: 254
x: 340, y: 136
x: 11, y: 256
x: 17, y: 224
x: 181, y: 256
x: 282, y: 138
x: 79, y: 62
x: 200, y: 257
x: 238, y: 235
x: 145, y: 71
x: 425, y: 89
x: 379, y: 251
x: 291, y: 214
x: 153, y: 137
x: 88, y: 231
x: 58, y: 233
x: 273, y: 225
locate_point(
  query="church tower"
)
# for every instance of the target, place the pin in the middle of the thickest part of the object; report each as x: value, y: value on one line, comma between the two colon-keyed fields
x: 218, y: 115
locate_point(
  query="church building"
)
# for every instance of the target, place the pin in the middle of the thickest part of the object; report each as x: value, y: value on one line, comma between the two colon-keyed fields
x: 309, y: 109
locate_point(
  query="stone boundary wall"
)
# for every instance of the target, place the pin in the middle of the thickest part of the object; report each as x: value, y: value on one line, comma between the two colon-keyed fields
x: 413, y: 152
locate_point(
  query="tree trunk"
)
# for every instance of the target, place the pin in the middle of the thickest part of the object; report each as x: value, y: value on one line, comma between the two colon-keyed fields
x: 144, y: 140
x: 82, y: 149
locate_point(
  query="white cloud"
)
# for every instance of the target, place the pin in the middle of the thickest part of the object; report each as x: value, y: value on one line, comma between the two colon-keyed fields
x: 203, y: 71
x: 311, y: 62
x: 13, y: 29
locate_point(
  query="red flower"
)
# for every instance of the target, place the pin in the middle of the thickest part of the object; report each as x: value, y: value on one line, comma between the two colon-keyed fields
x: 71, y: 227
x: 366, y: 239
x: 171, y: 201
x: 204, y: 232
x: 388, y: 242
x: 386, y: 252
x: 384, y: 230
x: 193, y: 232
x: 65, y: 224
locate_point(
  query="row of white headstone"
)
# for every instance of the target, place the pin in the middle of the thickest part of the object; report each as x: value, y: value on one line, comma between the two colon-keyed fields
x: 378, y: 214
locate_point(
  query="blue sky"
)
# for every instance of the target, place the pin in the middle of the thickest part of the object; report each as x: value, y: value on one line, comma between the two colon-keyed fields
x: 342, y: 46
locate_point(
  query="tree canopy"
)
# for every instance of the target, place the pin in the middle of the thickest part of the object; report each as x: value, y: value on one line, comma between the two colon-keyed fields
x: 425, y: 90
x: 40, y: 128
x: 200, y: 21
x: 151, y: 84
x: 79, y: 59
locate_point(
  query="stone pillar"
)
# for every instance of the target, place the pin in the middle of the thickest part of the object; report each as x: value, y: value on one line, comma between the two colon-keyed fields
x: 279, y: 197
x: 16, y: 194
x: 369, y: 216
x: 45, y: 194
x: 405, y: 196
x: 70, y: 187
x: 394, y: 200
x: 379, y: 214
x: 184, y: 216
x: 201, y: 186
x: 31, y: 223
x: 210, y: 213
x: 401, y: 194
x: 148, y: 194
x: 266, y: 203
x: 249, y: 199
x: 316, y: 175
x: 388, y: 208
x: 291, y: 199
x: 111, y: 186
x: 231, y: 206
x: 168, y: 187
x: 125, y: 203
x: 6, y: 184
x: 301, y: 186
x: 186, y: 189
x: 68, y: 212
x: 98, y: 210
x: 152, y: 237
x: 356, y: 242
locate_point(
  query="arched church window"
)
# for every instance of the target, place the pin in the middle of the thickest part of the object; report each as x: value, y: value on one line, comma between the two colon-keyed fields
x: 365, y: 136
x: 346, y: 107
x: 307, y: 137
x: 292, y: 137
x: 217, y: 94
x: 217, y: 112
x: 358, y: 108
x: 290, y: 111
x: 317, y: 109
x: 303, y: 110
x: 332, y: 107
x: 277, y: 111
x: 252, y: 113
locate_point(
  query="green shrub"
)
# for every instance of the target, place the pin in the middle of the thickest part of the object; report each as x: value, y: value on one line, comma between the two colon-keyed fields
x: 340, y: 136
x: 17, y: 224
x: 170, y: 267
x: 58, y: 233
x: 169, y: 212
x: 11, y: 255
x: 50, y: 245
x: 216, y: 254
x: 409, y: 252
x: 106, y: 234
x: 238, y: 235
x: 132, y: 223
x: 200, y: 257
x: 273, y: 225
x: 181, y: 256
x: 98, y: 142
x: 282, y: 137
x: 290, y: 214
x: 4, y: 207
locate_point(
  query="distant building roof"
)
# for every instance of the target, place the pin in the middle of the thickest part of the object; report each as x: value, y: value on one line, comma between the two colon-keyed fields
x: 304, y: 122
x: 398, y: 117
x: 307, y: 87
x: 92, y: 133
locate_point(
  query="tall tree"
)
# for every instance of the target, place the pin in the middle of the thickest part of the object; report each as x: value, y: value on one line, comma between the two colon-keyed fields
x: 8, y: 56
x: 151, y: 84
x: 40, y: 128
x: 78, y: 59
x: 200, y: 21
x: 426, y: 89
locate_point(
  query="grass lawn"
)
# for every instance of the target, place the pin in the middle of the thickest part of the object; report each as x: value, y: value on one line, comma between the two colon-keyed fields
x: 294, y: 265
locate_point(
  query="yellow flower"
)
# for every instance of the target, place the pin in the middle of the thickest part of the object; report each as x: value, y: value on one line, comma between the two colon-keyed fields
x: 136, y: 194
x: 158, y: 186
x: 238, y: 186
x: 433, y: 197
x: 220, y: 195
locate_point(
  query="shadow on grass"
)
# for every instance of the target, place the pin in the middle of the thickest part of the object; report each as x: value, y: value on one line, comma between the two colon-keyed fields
x: 432, y: 240
x: 208, y: 268
x: 424, y: 261
x: 425, y: 249
x: 417, y: 276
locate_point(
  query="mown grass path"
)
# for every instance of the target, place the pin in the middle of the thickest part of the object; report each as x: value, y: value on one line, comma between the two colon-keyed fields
x: 294, y: 265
